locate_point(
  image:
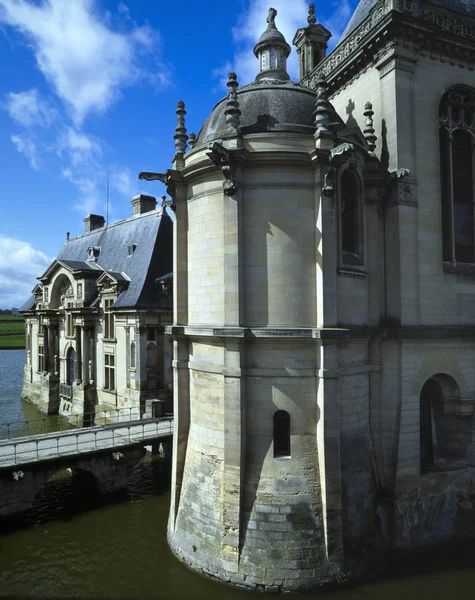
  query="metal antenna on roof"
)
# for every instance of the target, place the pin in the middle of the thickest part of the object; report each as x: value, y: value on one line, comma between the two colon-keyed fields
x: 107, y: 200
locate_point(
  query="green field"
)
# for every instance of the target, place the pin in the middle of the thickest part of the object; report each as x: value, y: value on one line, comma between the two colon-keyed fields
x: 12, y: 332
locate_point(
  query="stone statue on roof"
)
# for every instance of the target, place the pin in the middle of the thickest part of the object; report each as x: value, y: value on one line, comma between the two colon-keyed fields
x: 271, y: 17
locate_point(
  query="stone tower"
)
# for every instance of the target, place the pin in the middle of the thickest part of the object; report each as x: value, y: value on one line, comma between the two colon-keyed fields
x: 273, y: 478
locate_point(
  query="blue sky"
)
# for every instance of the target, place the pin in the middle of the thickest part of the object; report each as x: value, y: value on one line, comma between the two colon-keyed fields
x: 89, y: 87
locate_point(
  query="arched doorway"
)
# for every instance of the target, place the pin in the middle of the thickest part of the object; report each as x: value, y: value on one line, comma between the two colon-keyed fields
x: 443, y: 432
x: 70, y: 366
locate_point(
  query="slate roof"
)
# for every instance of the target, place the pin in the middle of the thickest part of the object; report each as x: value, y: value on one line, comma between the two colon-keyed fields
x: 362, y: 11
x: 364, y: 7
x: 152, y: 233
x: 29, y: 305
x: 467, y: 6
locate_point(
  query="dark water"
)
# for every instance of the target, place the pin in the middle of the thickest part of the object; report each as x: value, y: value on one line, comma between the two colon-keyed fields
x: 14, y: 413
x: 120, y: 551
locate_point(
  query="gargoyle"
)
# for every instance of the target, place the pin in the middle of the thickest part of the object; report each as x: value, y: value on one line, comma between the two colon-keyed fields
x: 221, y: 157
x: 152, y: 176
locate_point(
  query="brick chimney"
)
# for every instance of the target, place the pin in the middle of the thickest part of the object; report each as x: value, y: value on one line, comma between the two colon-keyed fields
x: 143, y: 204
x: 93, y: 222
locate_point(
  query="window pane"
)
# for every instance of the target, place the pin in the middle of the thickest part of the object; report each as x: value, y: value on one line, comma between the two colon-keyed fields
x: 349, y: 213
x: 281, y: 433
x: 463, y: 195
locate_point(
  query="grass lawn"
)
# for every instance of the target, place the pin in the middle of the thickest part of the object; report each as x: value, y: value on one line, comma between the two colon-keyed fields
x: 12, y: 332
x: 15, y: 341
x: 11, y: 327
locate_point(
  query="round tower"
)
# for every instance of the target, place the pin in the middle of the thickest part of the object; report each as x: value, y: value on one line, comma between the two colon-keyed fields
x: 256, y: 491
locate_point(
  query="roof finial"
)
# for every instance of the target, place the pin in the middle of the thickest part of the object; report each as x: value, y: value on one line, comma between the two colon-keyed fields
x: 322, y: 107
x: 180, y: 137
x: 272, y: 51
x: 67, y: 236
x: 271, y: 17
x: 369, y: 127
x: 232, y: 112
x: 312, y: 19
x: 192, y: 140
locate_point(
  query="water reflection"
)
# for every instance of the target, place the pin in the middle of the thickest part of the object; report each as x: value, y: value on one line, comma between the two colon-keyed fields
x: 120, y: 551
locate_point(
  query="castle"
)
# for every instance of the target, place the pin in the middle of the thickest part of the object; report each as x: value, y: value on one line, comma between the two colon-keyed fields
x: 324, y: 322
x: 95, y: 324
x: 323, y: 315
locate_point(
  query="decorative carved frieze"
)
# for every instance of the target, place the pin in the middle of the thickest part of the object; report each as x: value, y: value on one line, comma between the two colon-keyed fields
x: 450, y: 23
x: 462, y: 27
x: 403, y: 192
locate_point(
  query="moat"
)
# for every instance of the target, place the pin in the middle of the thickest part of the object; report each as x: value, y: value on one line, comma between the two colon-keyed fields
x: 121, y: 551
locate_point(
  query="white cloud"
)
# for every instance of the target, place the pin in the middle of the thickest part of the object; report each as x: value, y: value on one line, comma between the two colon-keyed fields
x: 20, y: 264
x: 292, y: 15
x: 26, y: 146
x: 337, y: 22
x: 125, y: 182
x: 91, y: 195
x: 80, y: 148
x: 251, y: 24
x: 29, y: 109
x: 87, y: 62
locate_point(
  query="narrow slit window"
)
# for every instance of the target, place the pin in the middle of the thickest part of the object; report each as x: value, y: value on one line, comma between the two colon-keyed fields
x: 132, y: 355
x: 281, y: 434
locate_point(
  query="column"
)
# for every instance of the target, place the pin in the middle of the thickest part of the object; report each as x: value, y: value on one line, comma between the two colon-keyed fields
x: 180, y: 257
x: 85, y: 362
x: 159, y: 336
x: 181, y: 421
x: 234, y: 448
x: 45, y: 349
x: 328, y: 444
x: 78, y: 354
x: 141, y: 359
x: 51, y: 349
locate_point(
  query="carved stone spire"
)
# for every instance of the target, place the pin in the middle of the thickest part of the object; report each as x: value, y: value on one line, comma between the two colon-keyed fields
x: 272, y: 51
x: 311, y: 19
x: 322, y: 107
x: 180, y: 137
x: 192, y: 140
x: 369, y: 127
x: 232, y: 112
x: 311, y: 42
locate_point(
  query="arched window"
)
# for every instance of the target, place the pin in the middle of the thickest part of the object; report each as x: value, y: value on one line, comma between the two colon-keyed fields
x: 70, y: 366
x: 457, y: 156
x: 350, y: 219
x: 281, y: 433
x: 132, y: 355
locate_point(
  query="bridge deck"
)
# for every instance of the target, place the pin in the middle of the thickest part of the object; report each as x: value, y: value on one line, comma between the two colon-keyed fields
x: 19, y: 451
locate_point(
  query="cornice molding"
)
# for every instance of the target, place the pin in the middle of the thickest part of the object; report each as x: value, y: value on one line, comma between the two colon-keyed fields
x: 428, y: 29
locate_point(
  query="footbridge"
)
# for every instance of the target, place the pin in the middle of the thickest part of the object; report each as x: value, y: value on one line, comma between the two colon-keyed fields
x: 66, y: 444
x: 109, y: 453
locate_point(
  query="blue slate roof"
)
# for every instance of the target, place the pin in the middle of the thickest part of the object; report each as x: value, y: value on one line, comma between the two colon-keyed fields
x: 364, y: 7
x: 151, y: 232
x: 466, y: 6
x: 362, y: 11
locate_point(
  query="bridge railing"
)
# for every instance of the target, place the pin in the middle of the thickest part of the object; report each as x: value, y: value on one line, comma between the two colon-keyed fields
x: 67, y: 443
x: 53, y: 423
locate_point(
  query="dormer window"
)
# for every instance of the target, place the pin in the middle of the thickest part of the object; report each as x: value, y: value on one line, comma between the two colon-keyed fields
x: 132, y: 248
x: 93, y: 253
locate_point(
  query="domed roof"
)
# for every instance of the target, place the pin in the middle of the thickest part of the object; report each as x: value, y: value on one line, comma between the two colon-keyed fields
x: 266, y: 106
x: 272, y: 33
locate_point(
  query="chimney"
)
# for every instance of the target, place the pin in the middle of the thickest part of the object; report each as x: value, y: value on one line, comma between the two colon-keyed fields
x: 143, y: 204
x: 93, y: 222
